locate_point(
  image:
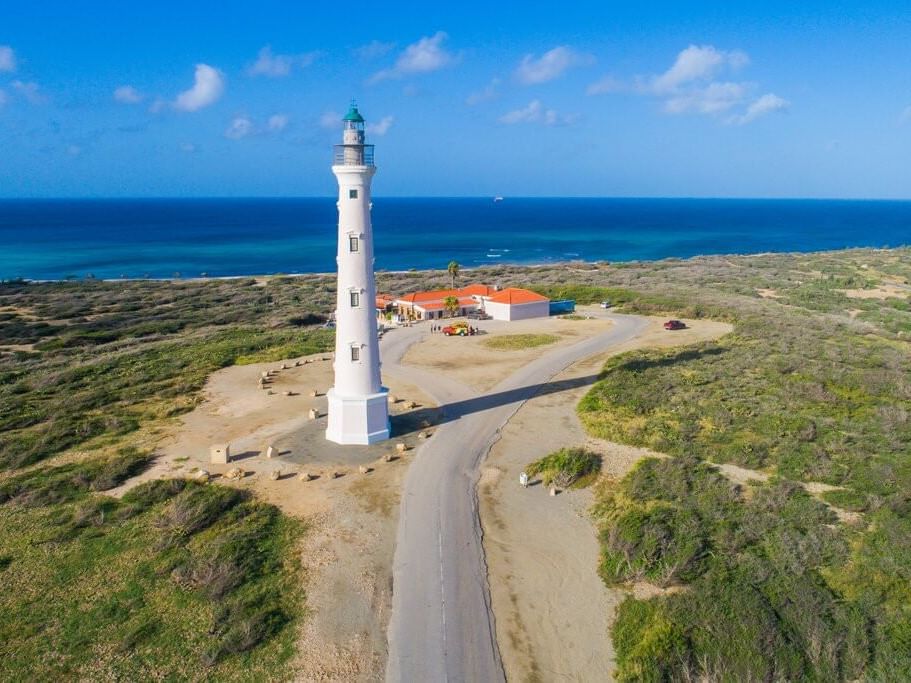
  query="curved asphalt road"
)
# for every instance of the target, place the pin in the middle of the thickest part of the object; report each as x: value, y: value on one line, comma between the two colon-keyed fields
x: 441, y: 627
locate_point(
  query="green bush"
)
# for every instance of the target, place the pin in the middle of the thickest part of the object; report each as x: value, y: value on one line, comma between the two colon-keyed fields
x: 565, y: 467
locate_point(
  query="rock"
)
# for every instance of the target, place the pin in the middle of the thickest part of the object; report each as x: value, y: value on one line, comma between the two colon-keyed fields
x: 363, y: 469
x: 393, y: 398
x: 424, y: 435
x: 275, y: 475
x: 314, y: 413
x: 388, y: 457
x: 314, y: 393
x: 297, y: 363
x: 305, y: 476
x: 411, y: 405
x: 284, y: 366
x: 201, y: 475
x: 286, y: 393
x: 264, y: 374
x: 271, y: 451
x: 401, y: 447
x: 234, y: 473
x: 332, y: 475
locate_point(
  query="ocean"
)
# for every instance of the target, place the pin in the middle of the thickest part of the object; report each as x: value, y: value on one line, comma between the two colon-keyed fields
x: 163, y: 238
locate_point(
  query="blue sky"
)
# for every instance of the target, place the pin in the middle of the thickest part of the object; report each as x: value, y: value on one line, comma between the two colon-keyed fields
x: 524, y: 99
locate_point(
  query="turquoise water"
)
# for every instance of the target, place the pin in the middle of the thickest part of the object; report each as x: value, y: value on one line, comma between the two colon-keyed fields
x: 52, y: 239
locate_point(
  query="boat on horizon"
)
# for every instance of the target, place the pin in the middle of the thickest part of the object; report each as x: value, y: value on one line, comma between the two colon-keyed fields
x: 498, y: 198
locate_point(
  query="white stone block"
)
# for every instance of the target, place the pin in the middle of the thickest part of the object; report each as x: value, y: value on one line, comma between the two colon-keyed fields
x: 220, y: 454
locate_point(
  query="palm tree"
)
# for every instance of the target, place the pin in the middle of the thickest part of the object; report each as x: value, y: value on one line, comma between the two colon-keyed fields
x: 451, y: 304
x: 453, y: 272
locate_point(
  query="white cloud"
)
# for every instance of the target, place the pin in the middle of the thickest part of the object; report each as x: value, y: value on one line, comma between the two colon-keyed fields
x: 278, y: 122
x: 766, y: 104
x: 605, y: 86
x: 550, y: 65
x: 331, y: 120
x: 74, y: 150
x: 187, y: 147
x: 374, y: 49
x: 381, y: 127
x: 127, y: 94
x: 30, y: 91
x: 275, y: 66
x: 695, y: 63
x: 424, y: 56
x: 712, y: 99
x: 240, y: 127
x: 489, y: 92
x: 208, y: 86
x: 535, y: 112
x: 7, y: 59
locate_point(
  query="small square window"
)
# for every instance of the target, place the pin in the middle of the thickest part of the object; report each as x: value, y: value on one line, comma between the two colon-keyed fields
x: 355, y: 299
x: 353, y: 244
x: 355, y: 353
x: 352, y: 194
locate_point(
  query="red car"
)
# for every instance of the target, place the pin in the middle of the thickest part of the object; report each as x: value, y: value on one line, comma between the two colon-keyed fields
x: 674, y: 325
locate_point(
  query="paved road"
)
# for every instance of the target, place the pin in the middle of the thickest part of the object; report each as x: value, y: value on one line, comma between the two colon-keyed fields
x: 442, y: 627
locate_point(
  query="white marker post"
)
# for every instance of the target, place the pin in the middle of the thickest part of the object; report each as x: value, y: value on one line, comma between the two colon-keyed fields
x: 523, y: 480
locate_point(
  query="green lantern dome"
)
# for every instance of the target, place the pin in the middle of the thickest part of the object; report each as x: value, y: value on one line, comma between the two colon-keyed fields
x: 353, y: 114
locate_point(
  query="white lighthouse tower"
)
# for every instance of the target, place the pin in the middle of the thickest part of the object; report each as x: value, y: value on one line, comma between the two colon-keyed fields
x: 358, y: 404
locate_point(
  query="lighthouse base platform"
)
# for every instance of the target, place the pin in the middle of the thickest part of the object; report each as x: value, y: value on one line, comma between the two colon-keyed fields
x: 358, y: 420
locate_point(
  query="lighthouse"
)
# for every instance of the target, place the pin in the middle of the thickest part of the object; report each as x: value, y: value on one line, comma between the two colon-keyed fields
x: 358, y: 403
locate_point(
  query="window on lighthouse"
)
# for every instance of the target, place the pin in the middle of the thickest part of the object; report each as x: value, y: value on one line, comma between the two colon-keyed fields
x: 355, y: 353
x: 352, y: 194
x: 353, y: 244
x: 355, y: 299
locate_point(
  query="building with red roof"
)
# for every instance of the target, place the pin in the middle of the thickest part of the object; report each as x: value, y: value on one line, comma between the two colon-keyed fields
x: 507, y: 304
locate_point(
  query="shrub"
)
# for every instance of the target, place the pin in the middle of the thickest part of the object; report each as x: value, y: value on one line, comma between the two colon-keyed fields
x: 565, y: 467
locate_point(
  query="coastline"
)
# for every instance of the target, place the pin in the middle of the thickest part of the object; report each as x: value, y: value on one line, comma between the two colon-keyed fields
x: 592, y: 265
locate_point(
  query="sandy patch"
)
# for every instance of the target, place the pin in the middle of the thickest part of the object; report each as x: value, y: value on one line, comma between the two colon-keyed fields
x: 469, y: 361
x: 883, y: 291
x: 768, y: 293
x: 553, y: 613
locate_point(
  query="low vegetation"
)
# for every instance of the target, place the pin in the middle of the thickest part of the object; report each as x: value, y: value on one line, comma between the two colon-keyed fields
x: 515, y: 342
x: 763, y: 580
x: 176, y: 579
x: 566, y: 467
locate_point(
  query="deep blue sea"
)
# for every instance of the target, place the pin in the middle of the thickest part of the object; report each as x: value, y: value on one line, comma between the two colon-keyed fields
x: 159, y: 238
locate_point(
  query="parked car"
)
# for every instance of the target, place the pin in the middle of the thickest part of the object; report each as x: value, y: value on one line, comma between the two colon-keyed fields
x: 477, y: 315
x: 606, y: 304
x: 674, y: 325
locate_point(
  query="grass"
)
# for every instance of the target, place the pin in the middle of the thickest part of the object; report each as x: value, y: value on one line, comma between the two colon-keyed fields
x: 176, y: 579
x: 516, y: 342
x: 773, y: 586
x: 566, y: 467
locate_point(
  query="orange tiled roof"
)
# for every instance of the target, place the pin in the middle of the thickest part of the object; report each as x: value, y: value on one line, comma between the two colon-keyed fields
x: 477, y: 290
x: 513, y: 295
x: 437, y: 305
x: 440, y: 294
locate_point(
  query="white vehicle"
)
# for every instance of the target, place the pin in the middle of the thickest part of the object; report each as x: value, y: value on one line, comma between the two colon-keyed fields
x: 605, y: 304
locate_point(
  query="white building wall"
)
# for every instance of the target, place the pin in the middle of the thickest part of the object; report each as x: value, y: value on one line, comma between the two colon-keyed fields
x: 501, y: 311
